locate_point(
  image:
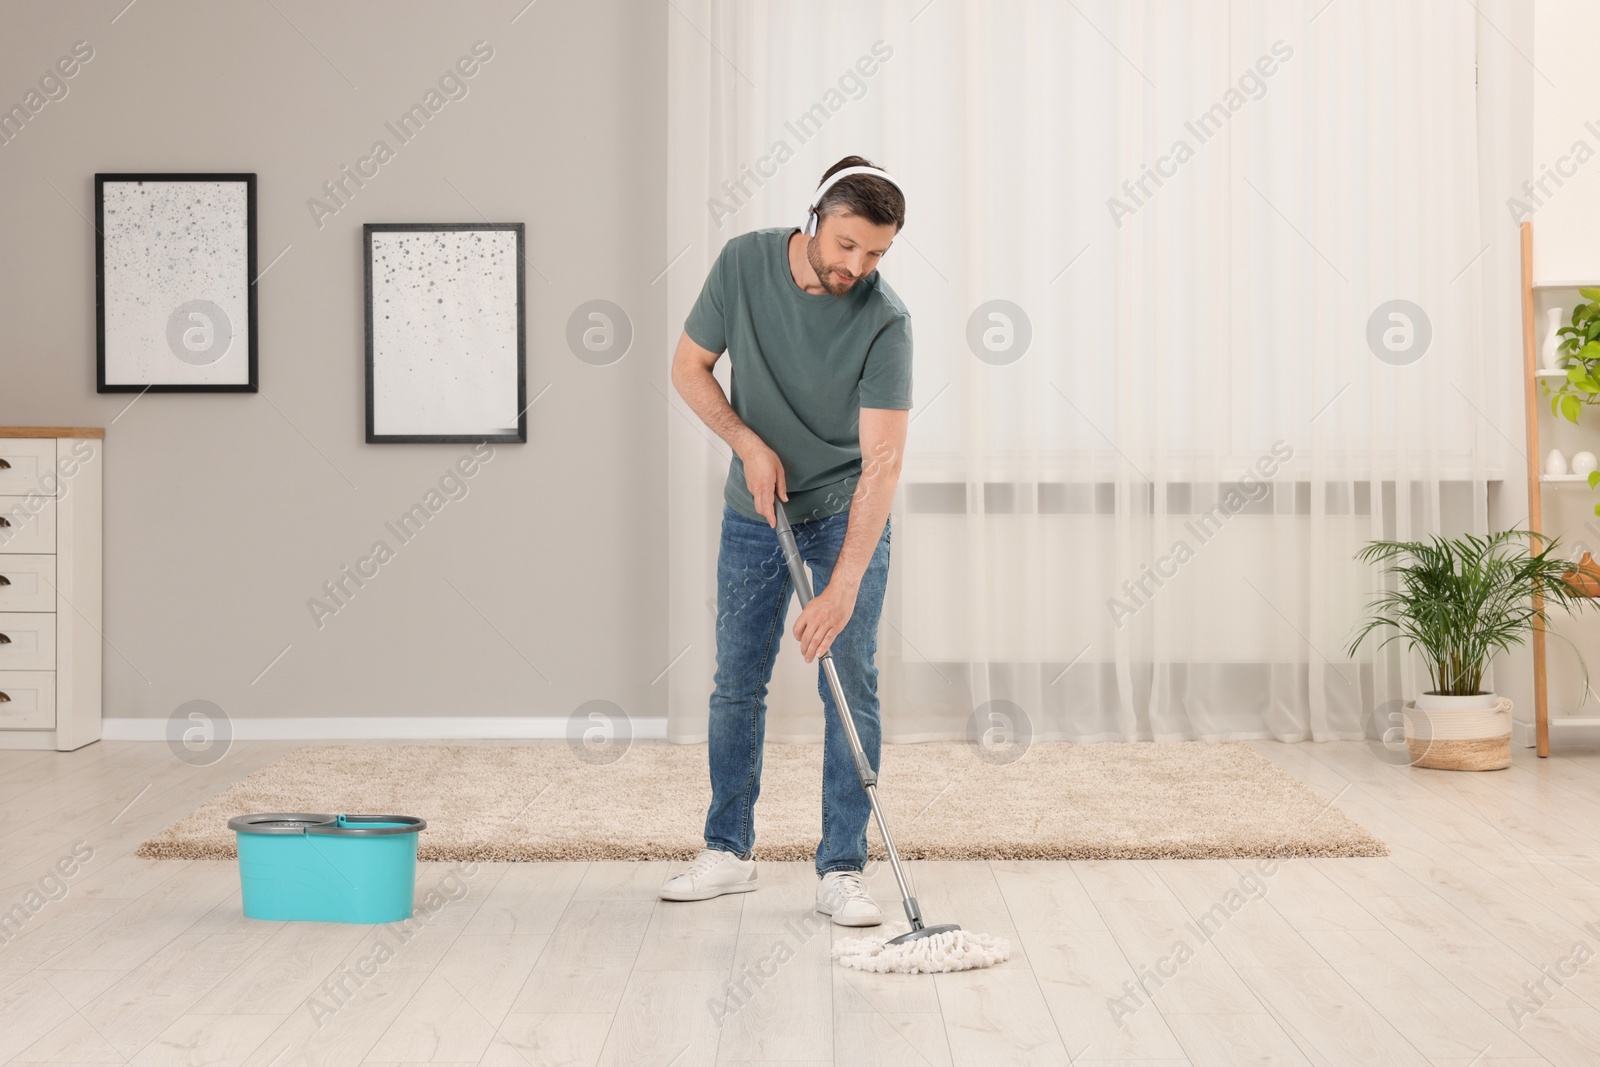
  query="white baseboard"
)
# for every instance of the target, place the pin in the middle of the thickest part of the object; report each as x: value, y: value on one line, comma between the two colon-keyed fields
x: 1565, y: 732
x: 381, y: 728
x: 1523, y: 734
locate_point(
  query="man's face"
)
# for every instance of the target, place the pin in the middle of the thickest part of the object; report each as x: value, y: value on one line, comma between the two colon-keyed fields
x: 846, y: 249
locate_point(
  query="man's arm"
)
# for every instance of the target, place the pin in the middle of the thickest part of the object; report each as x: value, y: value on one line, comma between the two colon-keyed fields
x: 883, y: 444
x: 693, y: 378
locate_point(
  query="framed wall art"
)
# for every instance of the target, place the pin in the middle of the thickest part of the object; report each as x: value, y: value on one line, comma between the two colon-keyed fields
x: 175, y: 268
x: 446, y: 359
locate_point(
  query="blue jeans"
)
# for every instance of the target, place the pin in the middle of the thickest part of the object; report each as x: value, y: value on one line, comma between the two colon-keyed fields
x: 753, y: 594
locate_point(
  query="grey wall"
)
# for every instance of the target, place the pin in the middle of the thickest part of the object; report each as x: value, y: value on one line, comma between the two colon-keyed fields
x: 226, y: 513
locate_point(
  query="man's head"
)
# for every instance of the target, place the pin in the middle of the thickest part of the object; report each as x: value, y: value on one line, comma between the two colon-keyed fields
x: 858, y: 219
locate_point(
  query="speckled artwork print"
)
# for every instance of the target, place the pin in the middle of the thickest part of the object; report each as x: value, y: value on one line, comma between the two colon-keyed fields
x: 444, y: 332
x: 177, y: 282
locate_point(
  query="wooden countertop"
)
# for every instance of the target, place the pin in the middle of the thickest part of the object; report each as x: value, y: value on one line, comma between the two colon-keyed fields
x: 52, y: 431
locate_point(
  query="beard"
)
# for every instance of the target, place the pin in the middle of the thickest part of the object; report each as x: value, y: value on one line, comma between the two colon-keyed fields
x: 831, y: 282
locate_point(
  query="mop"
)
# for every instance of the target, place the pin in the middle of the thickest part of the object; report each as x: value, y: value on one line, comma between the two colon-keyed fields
x: 922, y: 949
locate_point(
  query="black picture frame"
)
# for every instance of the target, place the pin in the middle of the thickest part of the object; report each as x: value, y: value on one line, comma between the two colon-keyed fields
x: 252, y: 385
x: 520, y: 436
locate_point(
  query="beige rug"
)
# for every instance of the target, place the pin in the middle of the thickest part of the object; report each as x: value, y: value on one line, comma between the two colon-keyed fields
x: 541, y: 802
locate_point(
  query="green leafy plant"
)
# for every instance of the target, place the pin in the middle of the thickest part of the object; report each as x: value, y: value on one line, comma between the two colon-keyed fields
x: 1580, y: 347
x: 1461, y: 600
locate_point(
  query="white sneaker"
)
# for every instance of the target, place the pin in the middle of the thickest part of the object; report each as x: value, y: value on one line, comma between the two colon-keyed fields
x: 713, y: 873
x: 841, y: 894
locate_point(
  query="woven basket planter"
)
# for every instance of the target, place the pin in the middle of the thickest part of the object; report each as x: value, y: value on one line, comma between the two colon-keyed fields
x: 1459, y: 733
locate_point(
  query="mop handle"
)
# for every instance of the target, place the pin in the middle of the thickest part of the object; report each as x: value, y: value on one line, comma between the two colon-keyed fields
x: 869, y: 778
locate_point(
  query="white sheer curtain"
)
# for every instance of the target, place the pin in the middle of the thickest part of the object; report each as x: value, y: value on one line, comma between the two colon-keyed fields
x: 1141, y: 524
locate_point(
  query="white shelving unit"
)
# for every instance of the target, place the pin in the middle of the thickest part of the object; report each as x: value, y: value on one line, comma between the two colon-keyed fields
x: 1537, y: 480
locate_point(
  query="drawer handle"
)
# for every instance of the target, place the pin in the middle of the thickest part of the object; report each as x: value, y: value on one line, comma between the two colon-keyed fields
x: 4, y: 466
x: 4, y: 580
x: 4, y: 521
x: 4, y: 640
x: 4, y: 699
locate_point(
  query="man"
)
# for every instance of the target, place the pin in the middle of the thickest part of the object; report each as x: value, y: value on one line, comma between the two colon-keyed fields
x: 820, y: 348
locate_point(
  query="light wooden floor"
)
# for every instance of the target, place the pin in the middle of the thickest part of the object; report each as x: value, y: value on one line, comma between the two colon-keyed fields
x: 1412, y: 959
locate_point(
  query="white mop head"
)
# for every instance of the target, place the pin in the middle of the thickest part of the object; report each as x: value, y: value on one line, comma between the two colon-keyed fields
x: 953, y: 950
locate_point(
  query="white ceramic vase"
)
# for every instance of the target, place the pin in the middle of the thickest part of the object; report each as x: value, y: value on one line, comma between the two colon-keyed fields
x: 1555, y: 462
x: 1550, y: 356
x: 1584, y: 463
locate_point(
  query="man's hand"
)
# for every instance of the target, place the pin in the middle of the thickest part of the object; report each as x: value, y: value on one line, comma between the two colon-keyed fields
x: 822, y: 619
x: 763, y: 475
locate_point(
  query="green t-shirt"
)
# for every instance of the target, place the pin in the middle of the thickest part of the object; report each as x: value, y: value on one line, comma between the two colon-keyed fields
x: 803, y: 366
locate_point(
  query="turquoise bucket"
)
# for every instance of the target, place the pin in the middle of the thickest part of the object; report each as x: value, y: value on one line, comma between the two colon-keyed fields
x: 328, y: 868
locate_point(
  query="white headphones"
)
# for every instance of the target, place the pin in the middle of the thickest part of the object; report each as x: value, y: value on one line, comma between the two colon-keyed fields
x: 809, y: 228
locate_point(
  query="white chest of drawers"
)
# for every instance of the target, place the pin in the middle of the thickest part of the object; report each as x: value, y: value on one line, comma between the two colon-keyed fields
x: 50, y: 595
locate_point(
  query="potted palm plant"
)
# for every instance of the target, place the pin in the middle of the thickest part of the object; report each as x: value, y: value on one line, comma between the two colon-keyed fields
x: 1459, y: 601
